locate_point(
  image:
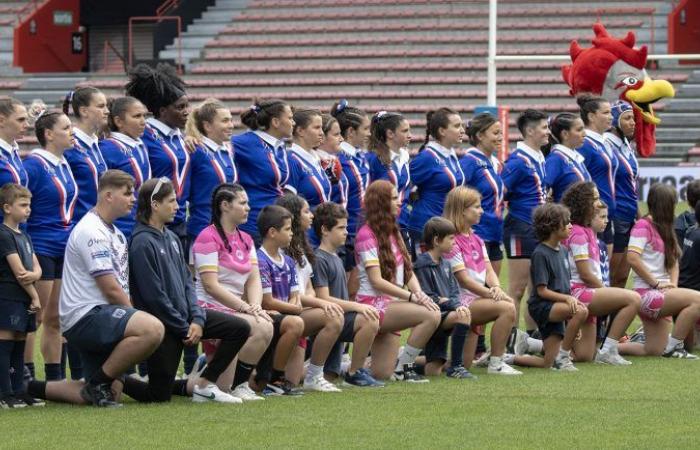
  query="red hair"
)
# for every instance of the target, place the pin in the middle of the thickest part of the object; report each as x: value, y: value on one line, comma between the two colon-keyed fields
x: 382, y: 221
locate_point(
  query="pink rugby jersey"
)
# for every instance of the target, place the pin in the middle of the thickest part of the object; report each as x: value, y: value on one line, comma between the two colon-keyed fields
x: 233, y: 268
x: 582, y: 245
x: 647, y: 242
x: 469, y: 253
x: 367, y: 255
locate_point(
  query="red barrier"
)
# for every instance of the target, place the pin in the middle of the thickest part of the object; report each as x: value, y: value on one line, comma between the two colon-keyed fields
x: 684, y: 29
x: 503, y: 117
x: 50, y: 39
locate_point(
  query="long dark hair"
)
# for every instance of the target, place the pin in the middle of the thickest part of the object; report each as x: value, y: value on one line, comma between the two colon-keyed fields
x: 260, y: 114
x: 662, y: 200
x: 299, y: 246
x: 78, y: 98
x: 381, y: 123
x: 434, y: 120
x: 580, y: 199
x: 156, y: 88
x: 225, y: 192
x: 348, y: 116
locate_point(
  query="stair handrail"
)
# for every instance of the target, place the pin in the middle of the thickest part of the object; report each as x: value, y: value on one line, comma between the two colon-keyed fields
x: 109, y: 46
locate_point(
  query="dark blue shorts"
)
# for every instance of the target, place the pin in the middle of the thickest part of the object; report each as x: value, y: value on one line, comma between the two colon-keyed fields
x: 518, y: 238
x: 494, y: 250
x: 621, y: 237
x: 539, y: 311
x: 436, y: 348
x: 51, y: 267
x: 97, y: 333
x: 346, y: 253
x: 608, y: 236
x: 14, y: 316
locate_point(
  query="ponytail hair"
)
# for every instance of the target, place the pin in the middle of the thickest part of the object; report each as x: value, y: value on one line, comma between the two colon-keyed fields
x: 43, y: 119
x: 260, y: 113
x: 348, y: 116
x: 589, y: 104
x: 662, y: 200
x: 225, y: 192
x: 381, y: 123
x: 117, y: 108
x: 479, y: 124
x: 439, y: 118
x: 303, y: 118
x: 204, y: 112
x: 78, y: 98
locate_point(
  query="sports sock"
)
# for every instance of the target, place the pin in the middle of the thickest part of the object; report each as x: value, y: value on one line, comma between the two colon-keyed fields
x: 17, y: 364
x: 408, y: 356
x: 30, y: 367
x: 672, y: 343
x: 277, y: 375
x: 5, y: 355
x: 75, y: 362
x: 313, y: 371
x: 243, y: 371
x: 100, y: 377
x: 564, y: 353
x: 495, y: 361
x: 64, y: 360
x: 37, y: 389
x: 459, y: 336
x: 609, y: 344
x: 52, y: 372
x: 509, y: 358
x: 180, y: 388
x: 534, y: 345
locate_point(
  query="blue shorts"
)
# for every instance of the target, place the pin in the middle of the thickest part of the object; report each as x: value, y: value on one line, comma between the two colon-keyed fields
x: 494, y: 250
x: 97, y: 333
x: 608, y: 235
x: 14, y: 316
x: 518, y: 238
x: 51, y: 267
x: 539, y: 311
x: 621, y: 236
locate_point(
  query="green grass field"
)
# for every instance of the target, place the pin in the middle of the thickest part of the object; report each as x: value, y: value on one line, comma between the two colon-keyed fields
x: 652, y: 404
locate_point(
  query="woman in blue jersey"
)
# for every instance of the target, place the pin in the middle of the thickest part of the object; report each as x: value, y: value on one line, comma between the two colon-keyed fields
x: 89, y: 107
x: 523, y: 175
x: 13, y: 124
x: 124, y: 149
x: 600, y: 159
x: 482, y: 171
x: 212, y: 162
x: 54, y: 197
x: 435, y: 171
x: 626, y: 195
x: 328, y: 152
x: 163, y: 93
x: 261, y: 157
x: 564, y: 165
x: 389, y: 160
x: 307, y: 177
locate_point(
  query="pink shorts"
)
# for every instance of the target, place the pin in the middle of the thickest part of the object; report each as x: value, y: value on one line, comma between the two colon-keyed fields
x: 584, y: 294
x: 467, y: 298
x: 652, y: 302
x: 380, y: 303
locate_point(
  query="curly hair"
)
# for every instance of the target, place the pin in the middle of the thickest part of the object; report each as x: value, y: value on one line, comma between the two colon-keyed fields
x: 299, y: 247
x: 662, y: 200
x: 382, y: 221
x: 549, y: 218
x: 580, y: 198
x: 156, y: 88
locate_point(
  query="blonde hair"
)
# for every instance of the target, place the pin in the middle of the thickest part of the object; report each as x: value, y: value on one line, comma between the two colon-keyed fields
x: 459, y: 199
x: 204, y: 112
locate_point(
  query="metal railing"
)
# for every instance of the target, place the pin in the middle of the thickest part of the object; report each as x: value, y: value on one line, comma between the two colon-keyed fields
x: 157, y: 19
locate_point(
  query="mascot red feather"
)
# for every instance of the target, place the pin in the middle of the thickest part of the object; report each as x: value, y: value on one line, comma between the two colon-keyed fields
x: 614, y: 69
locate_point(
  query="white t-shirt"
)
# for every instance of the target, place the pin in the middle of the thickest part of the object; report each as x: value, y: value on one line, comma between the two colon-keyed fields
x: 646, y: 241
x: 304, y: 274
x: 93, y: 249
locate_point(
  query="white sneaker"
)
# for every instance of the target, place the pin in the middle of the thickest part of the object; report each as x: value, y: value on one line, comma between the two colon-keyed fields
x: 320, y: 384
x: 521, y: 347
x: 483, y: 360
x: 564, y: 364
x: 503, y: 369
x: 611, y: 357
x: 245, y: 393
x: 211, y: 393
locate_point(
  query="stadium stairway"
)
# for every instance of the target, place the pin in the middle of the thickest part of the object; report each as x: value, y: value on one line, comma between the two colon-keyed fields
x: 10, y: 14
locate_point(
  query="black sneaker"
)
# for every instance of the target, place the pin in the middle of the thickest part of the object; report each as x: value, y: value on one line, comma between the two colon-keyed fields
x: 410, y: 375
x: 11, y: 402
x: 282, y: 387
x: 31, y: 401
x: 100, y: 395
x: 460, y: 372
x: 679, y: 352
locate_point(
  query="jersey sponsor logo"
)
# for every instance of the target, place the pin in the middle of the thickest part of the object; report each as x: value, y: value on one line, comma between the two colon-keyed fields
x: 119, y: 313
x: 100, y: 254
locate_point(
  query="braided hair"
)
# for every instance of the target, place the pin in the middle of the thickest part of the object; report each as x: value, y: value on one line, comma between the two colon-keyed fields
x: 225, y: 192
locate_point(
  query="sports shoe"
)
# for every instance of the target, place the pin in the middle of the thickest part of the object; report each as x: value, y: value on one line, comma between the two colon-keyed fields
x: 11, y: 402
x: 99, y: 395
x: 212, y: 393
x: 245, y: 393
x: 503, y: 369
x: 362, y: 378
x: 31, y: 401
x: 564, y: 364
x: 520, y: 347
x: 679, y: 352
x: 483, y: 360
x: 319, y: 384
x: 638, y: 336
x: 611, y: 357
x: 282, y: 387
x: 410, y: 375
x: 460, y: 372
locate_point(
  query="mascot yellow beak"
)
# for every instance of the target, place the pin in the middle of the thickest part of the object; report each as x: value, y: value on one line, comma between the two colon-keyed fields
x: 650, y: 92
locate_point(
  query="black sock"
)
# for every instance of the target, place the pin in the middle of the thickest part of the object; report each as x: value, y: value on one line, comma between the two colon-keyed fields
x: 243, y: 371
x: 75, y: 362
x: 52, y: 372
x: 143, y: 369
x: 5, y: 355
x: 100, y: 377
x: 180, y: 388
x: 277, y: 375
x: 30, y: 367
x: 17, y: 364
x: 459, y: 335
x: 64, y: 360
x: 37, y: 389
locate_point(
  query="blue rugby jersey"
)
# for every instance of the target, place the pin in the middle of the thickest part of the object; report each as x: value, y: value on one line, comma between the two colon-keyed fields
x: 263, y: 169
x: 129, y: 155
x: 601, y: 163
x: 11, y: 167
x: 626, y: 194
x: 54, y: 196
x: 169, y: 158
x: 524, y: 176
x: 212, y: 165
x: 482, y: 173
x: 307, y: 178
x: 398, y: 173
x: 356, y: 170
x: 88, y: 165
x: 435, y: 171
x: 564, y: 167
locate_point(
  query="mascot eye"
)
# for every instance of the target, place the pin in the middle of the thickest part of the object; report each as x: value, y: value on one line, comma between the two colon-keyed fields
x: 630, y: 81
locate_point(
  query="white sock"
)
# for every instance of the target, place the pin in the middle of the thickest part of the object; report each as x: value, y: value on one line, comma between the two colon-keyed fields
x: 313, y: 371
x: 534, y: 345
x: 408, y: 356
x: 509, y: 358
x: 609, y: 344
x: 672, y: 343
x: 564, y: 353
x: 495, y: 361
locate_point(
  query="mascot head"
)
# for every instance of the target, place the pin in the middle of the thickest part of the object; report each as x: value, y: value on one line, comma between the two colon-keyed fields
x: 614, y: 69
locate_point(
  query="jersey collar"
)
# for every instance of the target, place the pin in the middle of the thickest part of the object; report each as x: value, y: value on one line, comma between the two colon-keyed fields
x: 349, y: 149
x: 50, y: 157
x: 572, y: 154
x: 88, y: 140
x: 213, y: 146
x: 306, y: 155
x: 273, y: 141
x: 163, y: 128
x: 6, y: 147
x: 124, y: 139
x: 532, y: 153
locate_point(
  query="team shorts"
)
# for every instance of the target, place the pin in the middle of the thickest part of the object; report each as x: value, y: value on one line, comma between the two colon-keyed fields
x: 584, y: 294
x: 518, y: 238
x: 15, y: 316
x: 652, y: 302
x: 51, y: 267
x: 494, y: 250
x: 539, y: 311
x: 621, y: 235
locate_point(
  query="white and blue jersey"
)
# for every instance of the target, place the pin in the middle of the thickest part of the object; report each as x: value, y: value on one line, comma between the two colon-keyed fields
x: 88, y: 165
x: 434, y: 173
x: 398, y: 173
x: 601, y: 163
x: 604, y: 263
x: 626, y: 194
x: 307, y: 177
x: 482, y: 173
x: 564, y: 167
x: 54, y: 196
x: 129, y: 155
x: 212, y: 165
x: 263, y: 167
x: 11, y: 167
x: 169, y: 158
x: 524, y: 177
x: 356, y: 170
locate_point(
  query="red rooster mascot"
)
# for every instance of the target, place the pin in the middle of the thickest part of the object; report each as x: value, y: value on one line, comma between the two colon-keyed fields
x: 614, y: 69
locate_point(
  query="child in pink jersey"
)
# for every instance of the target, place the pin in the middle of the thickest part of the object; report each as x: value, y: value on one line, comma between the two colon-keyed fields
x: 653, y: 254
x: 587, y: 280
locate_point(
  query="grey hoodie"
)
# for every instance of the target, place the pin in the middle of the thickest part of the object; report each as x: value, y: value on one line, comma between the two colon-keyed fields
x: 160, y: 282
x: 437, y: 280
